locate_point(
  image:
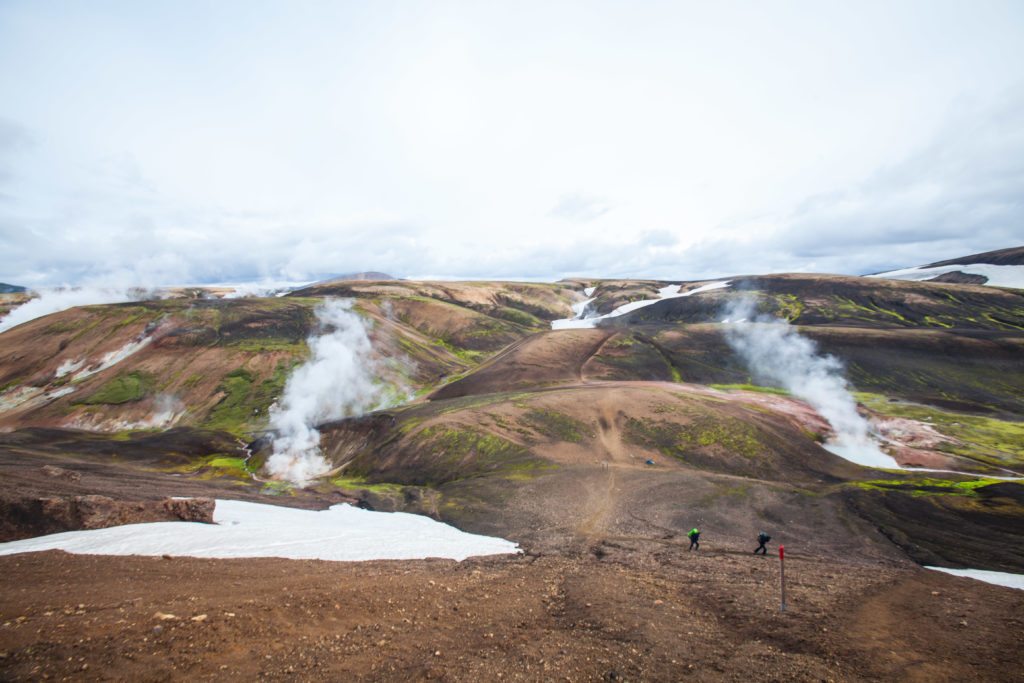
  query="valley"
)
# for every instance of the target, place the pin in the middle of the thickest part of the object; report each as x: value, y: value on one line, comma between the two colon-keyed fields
x: 595, y: 447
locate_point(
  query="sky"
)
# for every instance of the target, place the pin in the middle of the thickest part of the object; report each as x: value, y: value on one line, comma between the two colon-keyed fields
x: 184, y: 142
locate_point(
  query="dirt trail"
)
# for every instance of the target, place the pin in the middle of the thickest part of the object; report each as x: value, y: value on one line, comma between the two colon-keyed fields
x: 603, y: 501
x: 600, y: 504
x: 879, y: 628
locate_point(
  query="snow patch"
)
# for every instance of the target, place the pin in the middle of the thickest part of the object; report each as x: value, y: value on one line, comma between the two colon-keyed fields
x: 341, y: 533
x: 997, y: 578
x: 68, y: 367
x: 579, y: 319
x: 668, y: 292
x: 998, y: 276
x: 26, y: 398
x: 114, y: 357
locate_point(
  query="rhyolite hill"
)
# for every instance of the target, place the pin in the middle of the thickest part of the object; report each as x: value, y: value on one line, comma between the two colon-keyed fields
x: 544, y: 436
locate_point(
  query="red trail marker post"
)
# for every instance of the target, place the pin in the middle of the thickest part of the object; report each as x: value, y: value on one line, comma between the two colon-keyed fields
x: 782, y: 576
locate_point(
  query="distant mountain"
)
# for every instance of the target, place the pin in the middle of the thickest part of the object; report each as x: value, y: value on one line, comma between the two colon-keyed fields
x: 372, y: 275
x: 1000, y: 268
x: 10, y: 289
x: 1013, y: 256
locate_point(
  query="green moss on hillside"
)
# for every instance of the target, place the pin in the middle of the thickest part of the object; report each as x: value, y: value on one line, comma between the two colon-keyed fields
x: 517, y: 316
x: 467, y: 355
x: 790, y: 307
x: 360, y: 484
x: 125, y: 388
x: 216, y: 466
x: 449, y: 453
x: 244, y: 407
x: 678, y: 440
x: 750, y: 387
x: 927, y: 486
x: 557, y: 426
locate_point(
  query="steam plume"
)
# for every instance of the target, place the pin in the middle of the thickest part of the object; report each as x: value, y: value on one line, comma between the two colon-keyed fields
x: 56, y: 300
x: 778, y: 354
x: 337, y: 381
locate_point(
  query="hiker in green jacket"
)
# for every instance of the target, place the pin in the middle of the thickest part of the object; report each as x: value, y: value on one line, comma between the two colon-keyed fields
x: 694, y: 538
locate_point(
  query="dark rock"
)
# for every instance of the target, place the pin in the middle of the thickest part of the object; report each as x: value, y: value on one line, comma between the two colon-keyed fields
x: 28, y: 517
x: 960, y: 278
x: 60, y: 472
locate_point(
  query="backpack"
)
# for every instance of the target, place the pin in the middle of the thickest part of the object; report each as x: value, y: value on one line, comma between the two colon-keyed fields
x: 764, y: 538
x: 693, y: 532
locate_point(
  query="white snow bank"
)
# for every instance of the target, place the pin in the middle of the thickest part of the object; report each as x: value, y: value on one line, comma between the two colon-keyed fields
x: 341, y: 533
x: 998, y: 276
x: 111, y: 359
x: 998, y: 578
x: 669, y: 292
x: 578, y: 319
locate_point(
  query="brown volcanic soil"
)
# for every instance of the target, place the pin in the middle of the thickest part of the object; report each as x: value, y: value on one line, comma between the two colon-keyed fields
x: 635, y: 613
x: 543, y: 359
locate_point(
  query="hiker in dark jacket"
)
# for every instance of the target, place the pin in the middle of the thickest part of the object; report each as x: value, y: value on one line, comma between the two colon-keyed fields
x: 762, y: 538
x: 694, y: 538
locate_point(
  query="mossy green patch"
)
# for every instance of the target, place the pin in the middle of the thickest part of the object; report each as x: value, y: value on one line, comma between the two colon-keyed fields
x: 244, y: 406
x: 468, y: 355
x: 358, y: 483
x: 216, y: 466
x: 557, y: 426
x: 10, y: 385
x: 517, y: 316
x: 125, y: 388
x: 278, y: 488
x: 790, y: 307
x: 449, y: 453
x: 927, y: 486
x: 678, y: 440
x: 750, y: 387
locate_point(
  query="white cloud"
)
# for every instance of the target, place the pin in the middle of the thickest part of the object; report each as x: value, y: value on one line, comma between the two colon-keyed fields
x: 579, y: 207
x: 246, y: 141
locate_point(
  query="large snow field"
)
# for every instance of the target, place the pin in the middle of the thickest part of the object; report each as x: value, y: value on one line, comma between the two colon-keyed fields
x: 341, y: 533
x: 998, y: 276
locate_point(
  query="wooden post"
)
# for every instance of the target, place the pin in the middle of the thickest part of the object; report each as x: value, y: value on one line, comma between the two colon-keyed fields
x: 782, y: 575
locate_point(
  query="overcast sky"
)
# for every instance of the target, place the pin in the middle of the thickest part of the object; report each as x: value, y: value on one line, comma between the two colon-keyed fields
x: 171, y: 142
